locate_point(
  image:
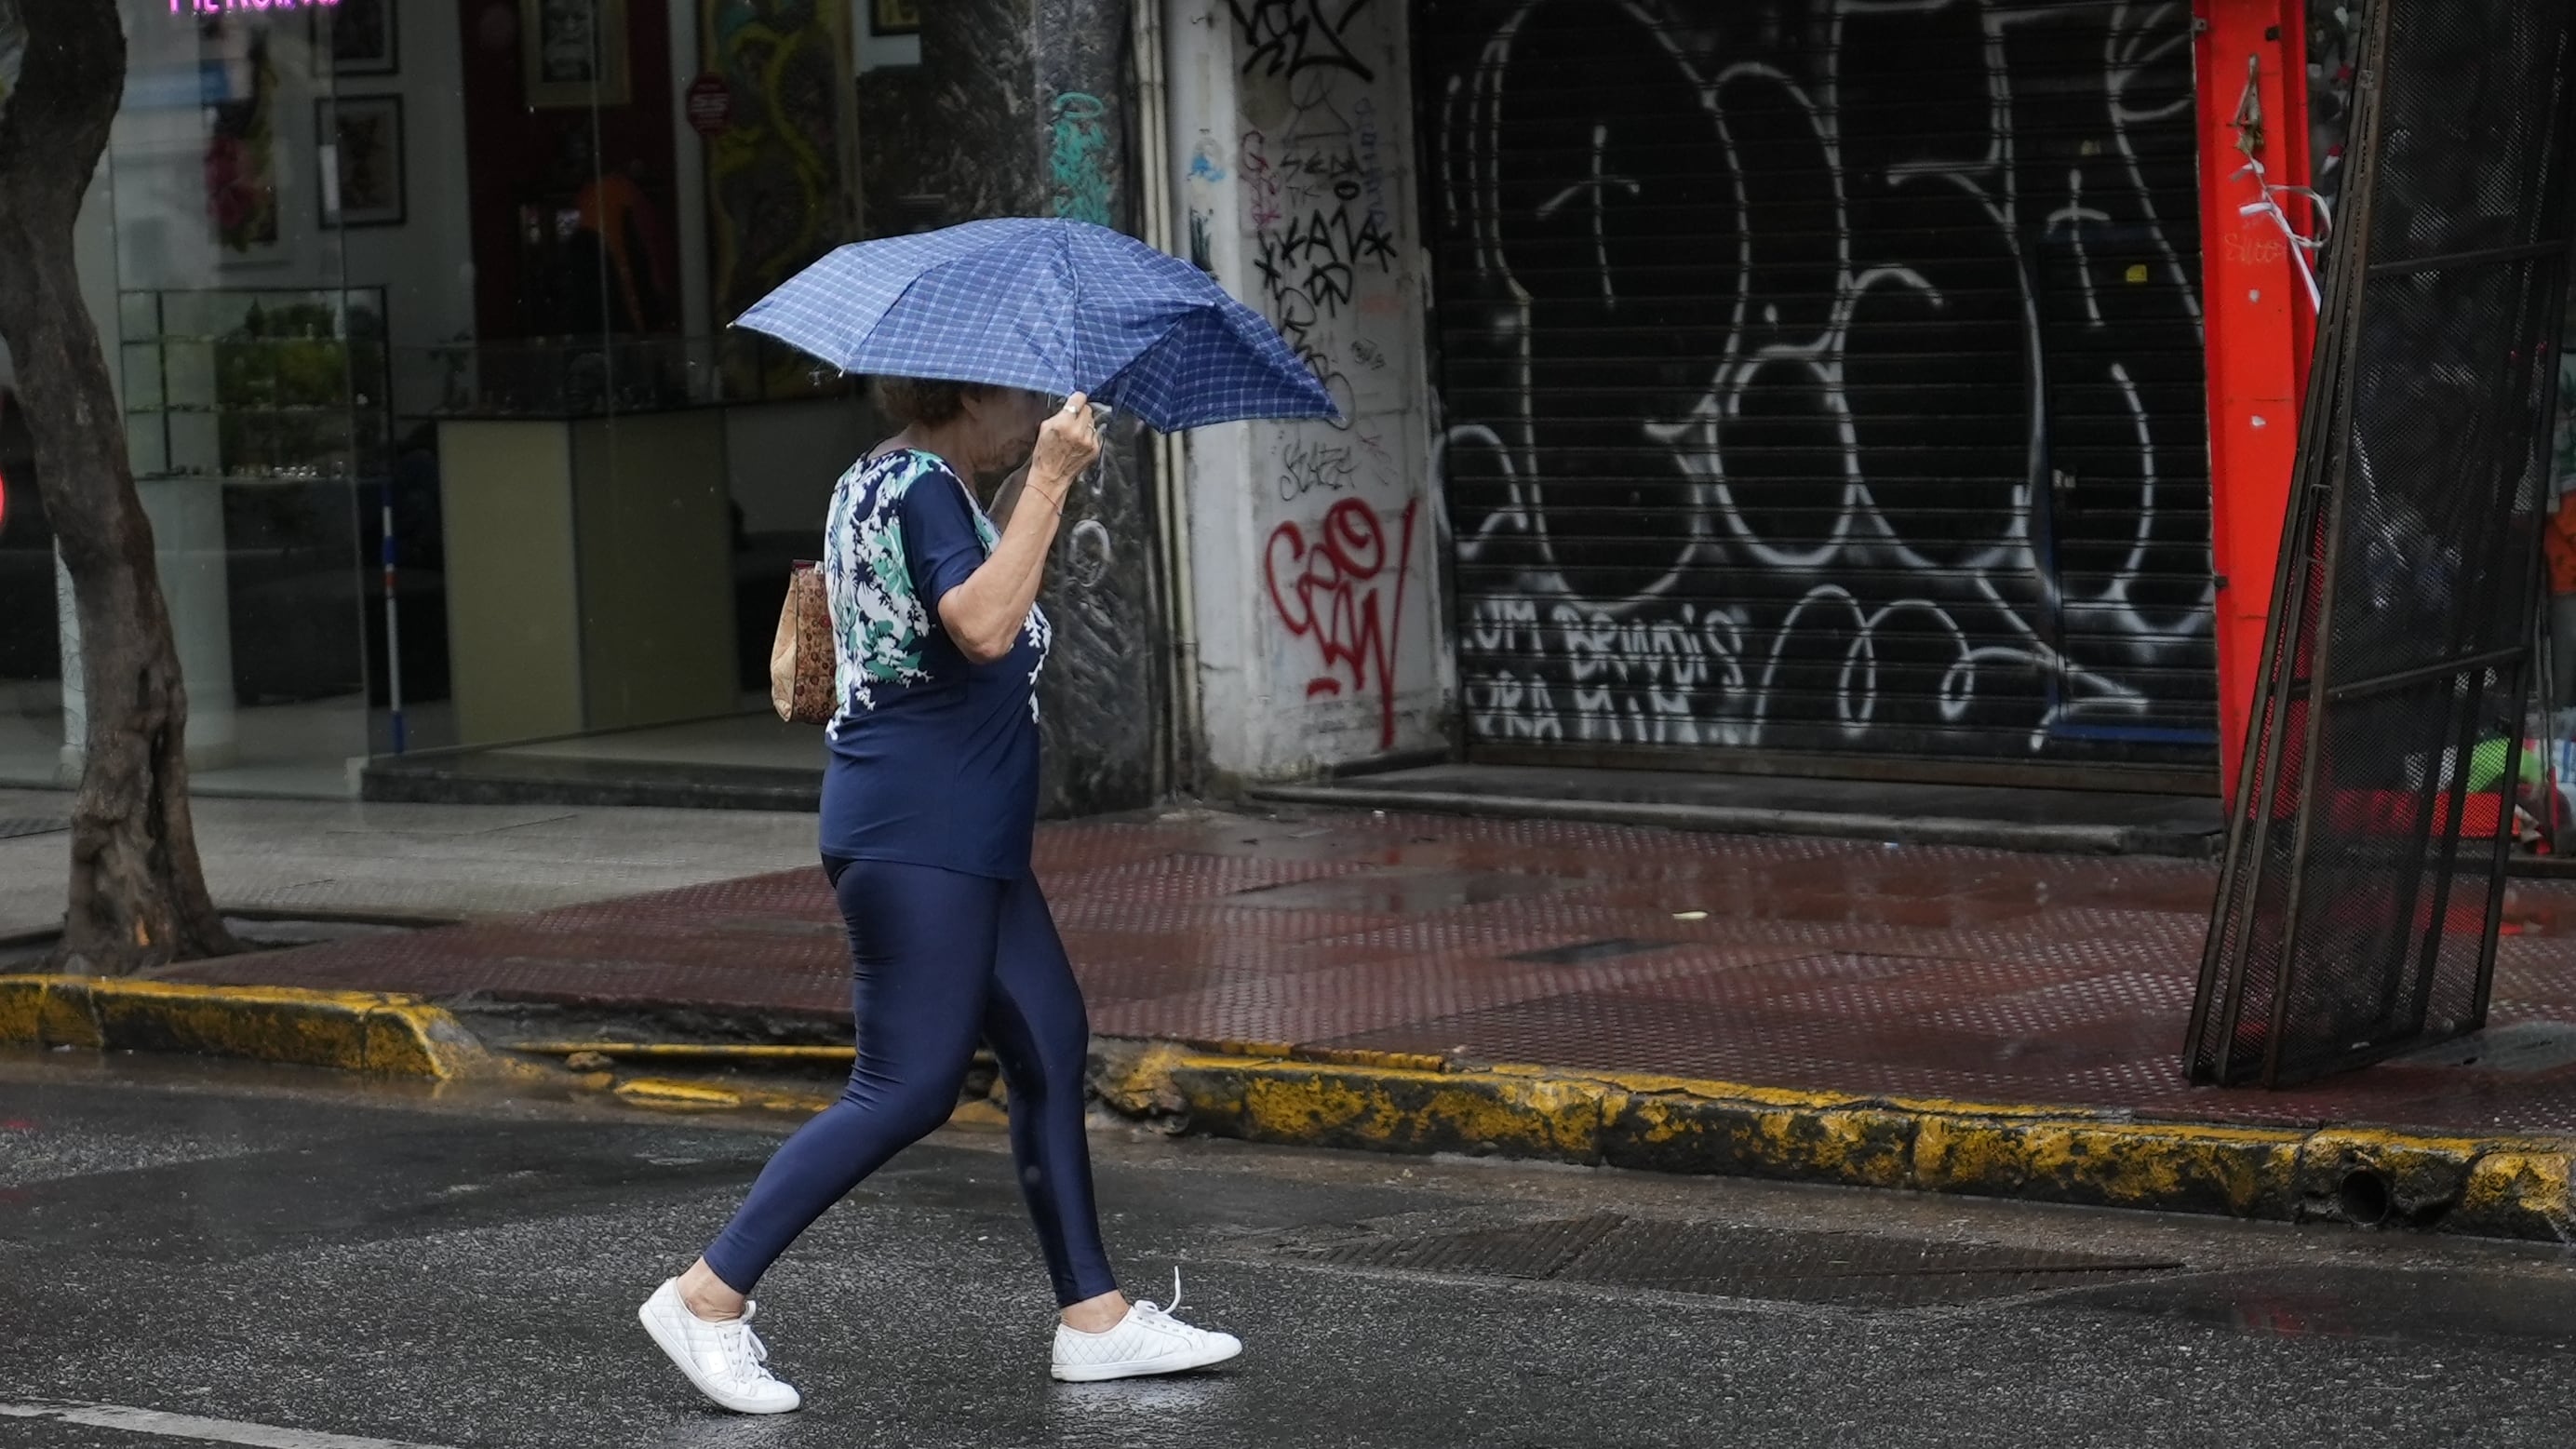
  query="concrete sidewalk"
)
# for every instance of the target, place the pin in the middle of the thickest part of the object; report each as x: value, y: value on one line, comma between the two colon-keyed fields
x: 441, y: 862
x: 1939, y: 1017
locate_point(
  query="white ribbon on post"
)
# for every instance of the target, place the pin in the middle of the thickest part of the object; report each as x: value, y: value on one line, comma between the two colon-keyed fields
x: 2249, y: 140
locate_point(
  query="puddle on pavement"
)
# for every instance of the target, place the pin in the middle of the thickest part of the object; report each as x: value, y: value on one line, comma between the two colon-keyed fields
x: 1315, y: 842
x: 1577, y: 953
x: 1397, y: 893
x: 2355, y: 1303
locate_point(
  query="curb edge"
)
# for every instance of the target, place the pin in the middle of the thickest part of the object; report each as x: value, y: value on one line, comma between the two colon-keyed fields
x: 355, y: 1031
x: 2518, y: 1187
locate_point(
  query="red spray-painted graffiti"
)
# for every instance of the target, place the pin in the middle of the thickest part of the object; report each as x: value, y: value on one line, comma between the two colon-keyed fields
x: 1332, y: 588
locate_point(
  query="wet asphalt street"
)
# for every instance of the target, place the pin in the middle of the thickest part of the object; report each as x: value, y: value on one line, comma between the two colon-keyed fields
x: 291, y: 1261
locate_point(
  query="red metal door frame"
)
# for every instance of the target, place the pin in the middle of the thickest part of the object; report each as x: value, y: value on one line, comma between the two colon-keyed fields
x: 2258, y: 320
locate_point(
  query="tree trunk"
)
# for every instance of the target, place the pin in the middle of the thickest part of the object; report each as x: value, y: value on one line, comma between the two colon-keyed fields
x: 138, y: 894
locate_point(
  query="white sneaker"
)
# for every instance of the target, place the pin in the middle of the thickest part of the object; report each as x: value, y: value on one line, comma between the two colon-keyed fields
x: 1149, y: 1340
x: 727, y: 1361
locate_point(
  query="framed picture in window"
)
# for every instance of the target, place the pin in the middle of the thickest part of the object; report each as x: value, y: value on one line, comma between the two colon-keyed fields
x: 894, y: 17
x: 574, y: 52
x: 358, y: 35
x: 362, y: 160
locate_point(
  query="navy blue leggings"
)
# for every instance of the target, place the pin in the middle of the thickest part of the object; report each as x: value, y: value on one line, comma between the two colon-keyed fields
x: 939, y: 958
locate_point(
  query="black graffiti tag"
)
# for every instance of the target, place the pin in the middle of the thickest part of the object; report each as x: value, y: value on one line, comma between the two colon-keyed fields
x: 1317, y: 257
x: 1290, y: 36
x: 1314, y: 174
x: 1306, y: 467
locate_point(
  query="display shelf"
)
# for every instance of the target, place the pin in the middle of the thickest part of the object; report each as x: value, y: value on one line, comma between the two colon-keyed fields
x: 257, y: 384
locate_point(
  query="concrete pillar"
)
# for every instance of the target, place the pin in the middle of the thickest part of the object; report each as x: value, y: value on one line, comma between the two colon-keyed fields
x: 1315, y: 546
x: 1234, y: 688
x: 1102, y: 696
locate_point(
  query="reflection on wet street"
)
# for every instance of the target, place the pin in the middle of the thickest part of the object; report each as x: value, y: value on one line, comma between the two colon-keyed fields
x: 291, y: 1260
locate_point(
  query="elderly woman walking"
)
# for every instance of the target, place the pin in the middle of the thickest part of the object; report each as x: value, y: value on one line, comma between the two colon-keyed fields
x: 929, y: 803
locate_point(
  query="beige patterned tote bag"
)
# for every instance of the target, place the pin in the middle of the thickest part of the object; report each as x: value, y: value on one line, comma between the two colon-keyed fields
x: 800, y: 659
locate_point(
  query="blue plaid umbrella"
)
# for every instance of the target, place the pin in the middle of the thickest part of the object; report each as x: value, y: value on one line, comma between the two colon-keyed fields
x: 1051, y: 306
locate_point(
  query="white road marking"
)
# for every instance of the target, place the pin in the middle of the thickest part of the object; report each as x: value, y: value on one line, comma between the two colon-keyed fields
x: 189, y: 1426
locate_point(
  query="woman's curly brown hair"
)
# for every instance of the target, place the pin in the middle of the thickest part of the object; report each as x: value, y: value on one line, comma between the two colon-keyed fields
x: 924, y: 402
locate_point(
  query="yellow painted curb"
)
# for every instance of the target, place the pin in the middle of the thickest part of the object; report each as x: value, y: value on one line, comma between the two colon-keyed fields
x: 354, y: 1031
x: 2511, y: 1187
x: 2517, y: 1187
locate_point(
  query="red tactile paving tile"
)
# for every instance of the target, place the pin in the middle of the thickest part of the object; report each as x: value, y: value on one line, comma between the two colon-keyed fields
x: 1353, y: 997
x: 1835, y: 965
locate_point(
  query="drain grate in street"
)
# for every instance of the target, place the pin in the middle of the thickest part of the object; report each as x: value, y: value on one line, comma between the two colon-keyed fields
x: 1579, y: 952
x: 14, y: 826
x: 1820, y: 1267
x: 1734, y: 1262
x: 1528, y: 1250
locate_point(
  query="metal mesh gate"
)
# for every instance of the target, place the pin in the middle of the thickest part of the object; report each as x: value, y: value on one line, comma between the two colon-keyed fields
x: 2365, y: 867
x: 1822, y: 381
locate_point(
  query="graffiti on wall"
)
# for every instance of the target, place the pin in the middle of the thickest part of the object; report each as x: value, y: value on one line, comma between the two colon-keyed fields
x: 1781, y: 412
x: 1291, y: 37
x: 1323, y: 254
x: 1312, y: 246
x: 1078, y: 158
x: 1341, y: 589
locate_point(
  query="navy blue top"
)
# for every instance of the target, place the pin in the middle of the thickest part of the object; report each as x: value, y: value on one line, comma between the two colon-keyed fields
x: 934, y: 758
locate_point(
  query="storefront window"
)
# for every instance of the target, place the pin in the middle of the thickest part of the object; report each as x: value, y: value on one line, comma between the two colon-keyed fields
x: 417, y: 311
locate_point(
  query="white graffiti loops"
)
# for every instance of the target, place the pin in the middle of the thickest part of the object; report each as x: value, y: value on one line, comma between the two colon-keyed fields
x: 1974, y: 620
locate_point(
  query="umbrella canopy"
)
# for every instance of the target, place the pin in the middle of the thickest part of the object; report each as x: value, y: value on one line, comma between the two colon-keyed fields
x: 1051, y: 306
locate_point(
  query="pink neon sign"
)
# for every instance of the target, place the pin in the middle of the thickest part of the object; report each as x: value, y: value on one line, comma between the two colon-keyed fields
x: 220, y: 7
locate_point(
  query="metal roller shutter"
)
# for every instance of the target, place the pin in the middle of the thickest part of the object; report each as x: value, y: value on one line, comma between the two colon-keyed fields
x: 1822, y: 379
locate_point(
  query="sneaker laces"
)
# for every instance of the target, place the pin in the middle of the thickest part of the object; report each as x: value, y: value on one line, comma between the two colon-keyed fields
x: 745, y: 1355
x: 1149, y: 1310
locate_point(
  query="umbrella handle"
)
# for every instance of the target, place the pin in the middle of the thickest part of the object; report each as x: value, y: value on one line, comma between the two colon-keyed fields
x: 1100, y: 415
